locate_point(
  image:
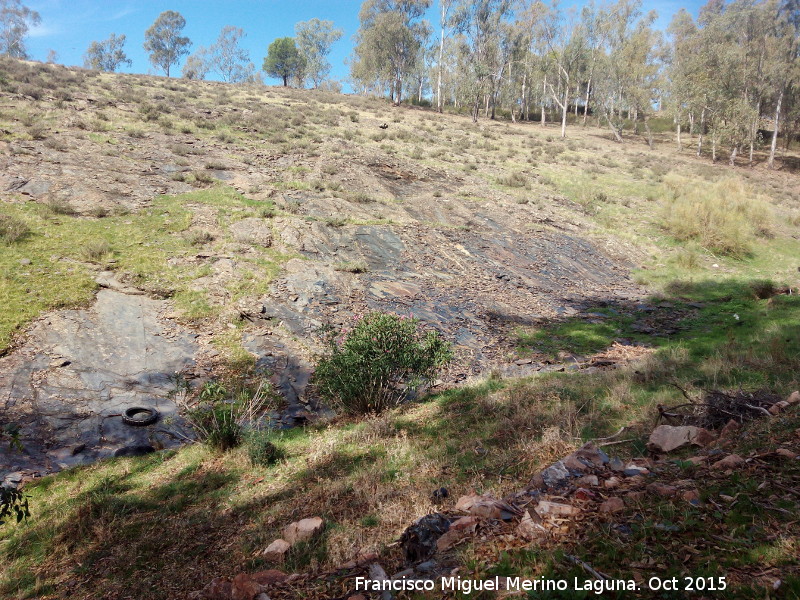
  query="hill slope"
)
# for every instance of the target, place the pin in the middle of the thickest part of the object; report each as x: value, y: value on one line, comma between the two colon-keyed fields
x: 226, y: 224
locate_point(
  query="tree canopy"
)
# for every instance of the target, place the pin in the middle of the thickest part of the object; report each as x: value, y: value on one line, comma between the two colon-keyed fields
x: 314, y: 39
x: 15, y: 21
x: 164, y: 42
x: 107, y: 55
x: 284, y: 61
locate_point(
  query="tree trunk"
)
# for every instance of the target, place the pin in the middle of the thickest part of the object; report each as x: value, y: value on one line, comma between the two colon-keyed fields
x: 577, y: 95
x: 649, y: 133
x: 771, y: 161
x: 702, y: 128
x: 523, y: 109
x: 285, y: 81
x: 586, y: 101
x: 544, y: 95
x: 439, y: 82
x: 714, y: 147
x: 691, y: 124
x: 678, y: 131
x: 564, y: 108
x: 617, y: 136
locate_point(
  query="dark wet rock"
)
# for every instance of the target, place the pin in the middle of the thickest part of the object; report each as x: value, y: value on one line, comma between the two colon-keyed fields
x: 138, y: 450
x: 117, y: 354
x: 419, y: 540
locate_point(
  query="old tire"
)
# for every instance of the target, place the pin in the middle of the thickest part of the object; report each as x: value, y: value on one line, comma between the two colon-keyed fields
x: 139, y: 416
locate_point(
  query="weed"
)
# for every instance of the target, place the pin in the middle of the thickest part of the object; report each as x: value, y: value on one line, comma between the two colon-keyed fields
x: 95, y: 251
x: 12, y: 229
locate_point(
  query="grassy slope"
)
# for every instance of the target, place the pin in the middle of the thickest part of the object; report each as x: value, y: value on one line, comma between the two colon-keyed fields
x: 106, y: 530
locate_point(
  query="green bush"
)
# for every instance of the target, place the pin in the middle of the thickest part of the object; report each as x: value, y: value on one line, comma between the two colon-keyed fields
x: 261, y: 450
x: 379, y: 362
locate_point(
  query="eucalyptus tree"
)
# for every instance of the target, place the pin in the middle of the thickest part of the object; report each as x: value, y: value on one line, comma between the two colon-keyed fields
x: 485, y: 44
x: 164, y: 42
x: 445, y: 22
x: 388, y: 43
x: 314, y: 40
x: 107, y: 55
x: 16, y: 19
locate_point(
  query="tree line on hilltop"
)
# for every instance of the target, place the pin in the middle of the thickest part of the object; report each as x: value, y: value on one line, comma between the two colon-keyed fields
x: 730, y: 77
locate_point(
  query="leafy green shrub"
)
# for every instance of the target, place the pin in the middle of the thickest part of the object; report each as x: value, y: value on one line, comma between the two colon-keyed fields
x: 379, y: 362
x: 12, y: 229
x: 261, y: 450
x: 723, y: 216
x: 13, y: 503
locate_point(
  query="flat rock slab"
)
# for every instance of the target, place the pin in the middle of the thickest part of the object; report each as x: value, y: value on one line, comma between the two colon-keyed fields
x: 78, y: 370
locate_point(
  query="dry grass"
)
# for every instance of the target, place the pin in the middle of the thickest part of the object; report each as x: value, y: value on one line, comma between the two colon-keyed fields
x: 725, y: 216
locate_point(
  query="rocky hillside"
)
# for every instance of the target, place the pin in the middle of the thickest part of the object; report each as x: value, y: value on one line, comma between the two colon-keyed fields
x: 157, y: 234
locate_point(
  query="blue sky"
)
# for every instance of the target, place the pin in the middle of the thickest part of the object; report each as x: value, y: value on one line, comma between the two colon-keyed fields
x: 69, y: 26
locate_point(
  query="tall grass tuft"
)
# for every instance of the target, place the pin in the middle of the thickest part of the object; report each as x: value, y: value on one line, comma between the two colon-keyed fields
x: 724, y: 216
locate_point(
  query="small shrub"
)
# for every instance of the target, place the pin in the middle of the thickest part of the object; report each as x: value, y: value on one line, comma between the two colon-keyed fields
x: 763, y: 288
x: 354, y: 266
x: 60, y: 207
x: 94, y: 251
x: 14, y: 504
x: 361, y: 198
x: 379, y: 363
x: 198, y: 238
x: 12, y: 229
x: 37, y: 132
x: 260, y: 449
x: 513, y: 180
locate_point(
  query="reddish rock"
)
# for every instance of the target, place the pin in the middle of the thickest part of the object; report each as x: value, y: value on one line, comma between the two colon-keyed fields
x: 778, y: 407
x: 729, y: 462
x: 244, y: 587
x: 611, y: 483
x: 574, y: 464
x: 464, y: 523
x: 691, y: 496
x: 303, y: 530
x: 666, y: 438
x: 697, y: 460
x: 794, y: 398
x: 247, y: 587
x: 786, y: 453
x: 612, y: 505
x: 584, y: 494
x: 276, y: 551
x: 635, y: 496
x: 730, y: 429
x: 270, y: 577
x: 662, y: 489
x: 459, y: 530
x: 218, y: 589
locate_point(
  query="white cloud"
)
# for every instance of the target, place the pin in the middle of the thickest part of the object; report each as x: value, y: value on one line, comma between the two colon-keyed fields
x: 41, y: 31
